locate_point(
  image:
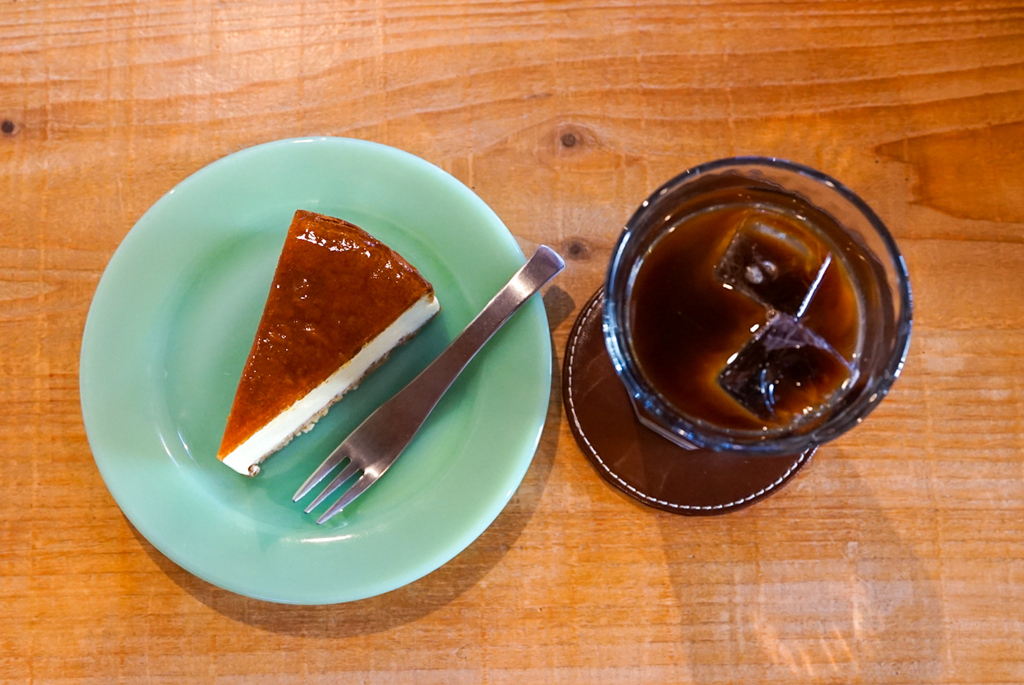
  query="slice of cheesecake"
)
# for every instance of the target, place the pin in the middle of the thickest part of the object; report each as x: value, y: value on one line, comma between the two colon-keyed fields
x: 341, y: 300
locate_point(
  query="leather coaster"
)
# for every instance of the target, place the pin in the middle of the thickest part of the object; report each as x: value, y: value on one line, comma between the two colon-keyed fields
x: 638, y: 461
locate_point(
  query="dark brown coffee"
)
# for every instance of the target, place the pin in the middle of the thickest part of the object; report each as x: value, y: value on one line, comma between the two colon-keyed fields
x: 744, y: 314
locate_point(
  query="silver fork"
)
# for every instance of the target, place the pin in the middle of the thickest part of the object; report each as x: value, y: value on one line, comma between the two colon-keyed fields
x: 379, y: 440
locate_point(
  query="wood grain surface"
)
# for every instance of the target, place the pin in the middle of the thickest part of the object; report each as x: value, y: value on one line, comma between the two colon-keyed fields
x: 896, y: 557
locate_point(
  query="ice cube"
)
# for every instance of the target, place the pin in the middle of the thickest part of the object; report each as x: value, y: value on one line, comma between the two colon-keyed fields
x: 772, y: 267
x: 785, y: 372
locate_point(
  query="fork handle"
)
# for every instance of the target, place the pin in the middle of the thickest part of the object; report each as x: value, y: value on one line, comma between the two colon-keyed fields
x: 410, y: 407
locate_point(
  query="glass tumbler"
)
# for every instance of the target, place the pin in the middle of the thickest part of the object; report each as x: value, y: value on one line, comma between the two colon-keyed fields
x: 858, y: 244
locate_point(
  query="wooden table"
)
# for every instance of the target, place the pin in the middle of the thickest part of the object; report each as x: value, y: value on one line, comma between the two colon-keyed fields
x: 896, y: 557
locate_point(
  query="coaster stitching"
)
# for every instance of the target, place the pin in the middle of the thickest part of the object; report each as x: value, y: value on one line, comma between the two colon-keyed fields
x: 572, y: 410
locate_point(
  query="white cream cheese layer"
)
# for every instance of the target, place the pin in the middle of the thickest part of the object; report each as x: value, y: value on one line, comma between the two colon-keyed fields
x: 303, y: 414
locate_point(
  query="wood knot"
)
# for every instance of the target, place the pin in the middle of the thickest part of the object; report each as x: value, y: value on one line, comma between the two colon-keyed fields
x: 577, y: 249
x: 8, y: 127
x: 572, y: 140
x: 576, y: 144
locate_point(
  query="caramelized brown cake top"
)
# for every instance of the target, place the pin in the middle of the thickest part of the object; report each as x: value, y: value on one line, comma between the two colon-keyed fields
x: 335, y: 289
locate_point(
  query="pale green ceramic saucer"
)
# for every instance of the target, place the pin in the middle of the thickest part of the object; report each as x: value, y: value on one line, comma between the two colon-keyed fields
x: 169, y: 330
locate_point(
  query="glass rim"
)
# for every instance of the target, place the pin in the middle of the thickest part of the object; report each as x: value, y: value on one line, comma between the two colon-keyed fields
x: 700, y: 433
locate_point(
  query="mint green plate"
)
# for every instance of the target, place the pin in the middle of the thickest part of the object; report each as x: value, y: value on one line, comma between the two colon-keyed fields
x: 169, y: 330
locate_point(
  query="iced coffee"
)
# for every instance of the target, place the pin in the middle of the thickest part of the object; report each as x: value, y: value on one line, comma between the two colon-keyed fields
x: 748, y: 311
